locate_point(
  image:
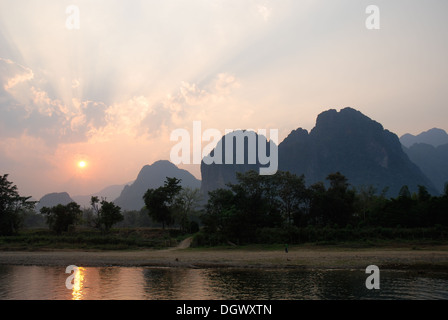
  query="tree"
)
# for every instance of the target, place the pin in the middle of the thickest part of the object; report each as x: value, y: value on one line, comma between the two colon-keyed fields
x: 96, y: 217
x: 12, y: 205
x: 338, y: 182
x: 365, y: 199
x: 161, y: 202
x: 60, y: 217
x: 318, y: 204
x: 220, y: 214
x: 110, y: 214
x: 292, y: 193
x: 335, y: 205
x: 423, y: 194
x: 404, y: 192
x: 106, y: 215
x: 186, y: 205
x: 369, y: 205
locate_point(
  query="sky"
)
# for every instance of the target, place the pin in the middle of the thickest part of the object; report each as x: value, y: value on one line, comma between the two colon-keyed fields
x: 107, y: 81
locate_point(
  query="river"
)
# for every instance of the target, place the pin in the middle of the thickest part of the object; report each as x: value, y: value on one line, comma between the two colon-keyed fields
x: 141, y: 283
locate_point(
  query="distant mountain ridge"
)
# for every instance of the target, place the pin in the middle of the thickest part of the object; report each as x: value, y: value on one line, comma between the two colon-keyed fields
x: 150, y: 177
x: 346, y: 141
x: 53, y: 199
x: 109, y: 193
x: 128, y: 196
x: 435, y: 137
x: 429, y: 151
x: 433, y: 161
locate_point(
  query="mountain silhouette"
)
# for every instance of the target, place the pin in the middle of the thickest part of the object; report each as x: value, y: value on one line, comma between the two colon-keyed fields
x: 347, y: 142
x: 151, y: 177
x: 109, y: 193
x: 433, y: 161
x: 356, y: 146
x: 217, y: 175
x: 53, y: 199
x: 435, y: 137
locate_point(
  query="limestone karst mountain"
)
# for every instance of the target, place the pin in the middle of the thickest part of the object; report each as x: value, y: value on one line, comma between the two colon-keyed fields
x: 347, y: 142
x: 153, y: 176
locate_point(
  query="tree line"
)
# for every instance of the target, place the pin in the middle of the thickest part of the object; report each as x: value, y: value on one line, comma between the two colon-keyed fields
x: 60, y: 218
x: 254, y: 209
x: 271, y: 204
x: 102, y: 215
x: 168, y: 205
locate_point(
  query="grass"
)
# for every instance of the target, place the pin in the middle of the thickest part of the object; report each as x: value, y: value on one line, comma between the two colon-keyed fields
x: 116, y: 239
x: 156, y: 238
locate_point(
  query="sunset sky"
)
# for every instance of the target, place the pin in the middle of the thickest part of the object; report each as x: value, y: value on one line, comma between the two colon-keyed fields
x: 111, y: 92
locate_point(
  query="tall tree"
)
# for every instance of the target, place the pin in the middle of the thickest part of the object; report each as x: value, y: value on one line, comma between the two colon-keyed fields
x: 60, y: 217
x: 187, y: 203
x: 292, y: 193
x: 161, y: 202
x: 220, y: 215
x: 404, y: 192
x: 11, y: 206
x: 107, y: 214
x: 341, y: 200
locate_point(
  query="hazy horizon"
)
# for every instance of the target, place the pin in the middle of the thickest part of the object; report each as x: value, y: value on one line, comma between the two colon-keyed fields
x: 111, y: 92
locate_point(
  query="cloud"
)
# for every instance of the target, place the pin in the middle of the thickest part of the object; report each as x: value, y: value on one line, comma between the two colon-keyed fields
x: 153, y: 117
x: 12, y: 74
x: 26, y: 108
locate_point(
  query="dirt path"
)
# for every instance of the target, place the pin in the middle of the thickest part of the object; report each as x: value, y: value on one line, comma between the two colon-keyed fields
x: 184, y: 244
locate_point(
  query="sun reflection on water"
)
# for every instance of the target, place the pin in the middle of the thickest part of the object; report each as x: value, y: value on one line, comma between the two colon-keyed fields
x: 78, y: 281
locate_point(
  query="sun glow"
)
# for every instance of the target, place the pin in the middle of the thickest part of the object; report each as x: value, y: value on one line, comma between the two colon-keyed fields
x: 78, y: 284
x: 82, y: 164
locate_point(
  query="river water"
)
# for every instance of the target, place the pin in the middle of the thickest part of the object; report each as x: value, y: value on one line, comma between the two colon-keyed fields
x: 132, y: 283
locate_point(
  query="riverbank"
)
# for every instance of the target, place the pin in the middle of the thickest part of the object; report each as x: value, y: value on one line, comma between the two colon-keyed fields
x: 305, y: 257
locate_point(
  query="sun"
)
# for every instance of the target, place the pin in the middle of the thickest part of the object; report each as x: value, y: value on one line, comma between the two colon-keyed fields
x: 82, y: 164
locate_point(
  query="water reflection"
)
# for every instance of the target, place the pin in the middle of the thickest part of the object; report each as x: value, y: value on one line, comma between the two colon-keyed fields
x: 182, y: 284
x: 78, y: 282
x: 290, y: 284
x: 109, y: 283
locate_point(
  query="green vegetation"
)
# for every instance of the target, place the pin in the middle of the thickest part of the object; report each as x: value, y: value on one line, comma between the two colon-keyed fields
x: 12, y: 206
x: 269, y: 210
x: 161, y: 202
x: 281, y: 209
x: 171, y: 203
x: 60, y: 218
x: 107, y: 215
x: 90, y: 239
x: 70, y: 227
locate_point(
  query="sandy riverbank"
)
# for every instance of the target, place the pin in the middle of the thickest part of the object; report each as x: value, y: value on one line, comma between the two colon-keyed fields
x: 433, y: 258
